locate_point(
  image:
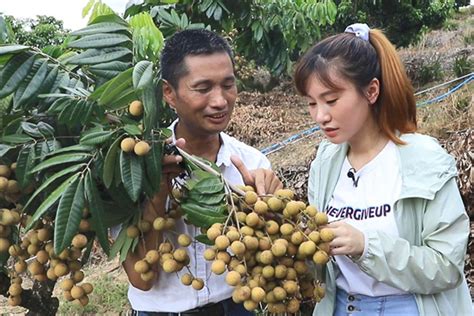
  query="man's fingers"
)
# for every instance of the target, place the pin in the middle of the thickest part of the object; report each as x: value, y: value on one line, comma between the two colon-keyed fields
x: 260, y: 185
x: 275, y: 185
x: 246, y: 175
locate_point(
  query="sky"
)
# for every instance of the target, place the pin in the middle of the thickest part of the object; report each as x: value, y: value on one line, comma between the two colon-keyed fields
x: 69, y: 11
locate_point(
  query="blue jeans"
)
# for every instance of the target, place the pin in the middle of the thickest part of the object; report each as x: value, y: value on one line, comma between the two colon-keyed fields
x: 230, y: 309
x: 362, y: 305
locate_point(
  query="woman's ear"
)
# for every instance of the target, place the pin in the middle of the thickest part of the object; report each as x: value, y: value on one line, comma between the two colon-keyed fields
x: 169, y: 94
x: 373, y: 91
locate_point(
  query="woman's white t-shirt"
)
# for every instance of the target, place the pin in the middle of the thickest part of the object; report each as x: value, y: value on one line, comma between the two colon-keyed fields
x: 366, y: 202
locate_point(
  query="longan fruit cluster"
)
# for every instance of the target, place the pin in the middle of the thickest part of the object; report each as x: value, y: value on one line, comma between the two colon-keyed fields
x: 169, y: 258
x: 9, y: 188
x: 139, y: 147
x: 267, y: 248
x: 35, y: 254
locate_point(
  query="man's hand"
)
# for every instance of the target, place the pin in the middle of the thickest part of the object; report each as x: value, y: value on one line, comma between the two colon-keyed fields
x: 348, y: 240
x: 264, y: 180
x: 171, y: 167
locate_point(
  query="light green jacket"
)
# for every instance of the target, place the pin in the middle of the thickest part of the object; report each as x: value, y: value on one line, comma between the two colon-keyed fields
x: 428, y: 257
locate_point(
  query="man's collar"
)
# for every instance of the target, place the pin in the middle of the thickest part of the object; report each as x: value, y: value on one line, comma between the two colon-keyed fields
x: 224, y: 153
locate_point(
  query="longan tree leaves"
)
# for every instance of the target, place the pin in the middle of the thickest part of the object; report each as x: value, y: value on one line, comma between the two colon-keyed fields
x: 110, y: 163
x: 96, y: 208
x: 69, y: 214
x: 25, y: 162
x: 204, y: 201
x: 131, y: 170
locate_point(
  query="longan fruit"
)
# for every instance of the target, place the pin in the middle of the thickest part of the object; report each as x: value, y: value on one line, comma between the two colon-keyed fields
x: 14, y: 300
x: 222, y: 242
x: 321, y: 218
x: 184, y: 240
x: 250, y: 305
x: 133, y: 231
x: 148, y: 276
x: 187, y: 279
x: 77, y: 292
x: 66, y: 284
x: 275, y: 204
x: 60, y: 269
x: 238, y: 247
x: 20, y: 266
x: 250, y: 197
x: 170, y: 265
x: 326, y: 234
x: 141, y: 266
x: 260, y: 207
x: 141, y: 148
x: 87, y: 287
x: 320, y: 257
x: 159, y: 224
x: 233, y: 278
x: 257, y: 294
x: 79, y: 241
x: 197, y: 284
x: 3, y: 184
x: 5, y: 171
x: 218, y: 267
x: 152, y: 256
x: 15, y: 289
x: 127, y: 144
x: 209, y: 254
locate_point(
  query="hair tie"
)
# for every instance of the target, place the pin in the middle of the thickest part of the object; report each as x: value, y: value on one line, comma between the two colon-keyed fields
x: 360, y: 30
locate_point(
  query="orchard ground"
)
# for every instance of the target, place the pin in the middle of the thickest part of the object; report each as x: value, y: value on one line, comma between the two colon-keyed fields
x: 263, y: 119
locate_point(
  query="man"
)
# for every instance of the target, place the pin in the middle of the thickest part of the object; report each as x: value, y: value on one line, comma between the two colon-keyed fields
x: 199, y: 83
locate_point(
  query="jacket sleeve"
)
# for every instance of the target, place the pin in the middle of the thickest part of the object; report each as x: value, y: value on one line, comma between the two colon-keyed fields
x: 432, y: 267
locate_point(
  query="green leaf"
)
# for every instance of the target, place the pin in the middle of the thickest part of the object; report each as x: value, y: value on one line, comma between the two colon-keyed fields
x: 99, y: 56
x: 51, y: 199
x: 102, y: 27
x: 25, y: 161
x: 16, y: 139
x: 96, y: 138
x: 116, y: 65
x: 99, y: 41
x: 203, y: 239
x: 14, y: 72
x: 125, y: 248
x: 97, y: 210
x: 68, y: 215
x: 11, y: 49
x: 142, y: 74
x: 4, y: 149
x: 153, y: 162
x: 118, y: 84
x: 109, y: 163
x: 31, y: 129
x: 200, y: 216
x: 132, y: 172
x: 132, y: 129
x: 62, y: 159
x: 148, y: 97
x: 33, y: 86
x: 81, y: 148
x: 53, y: 178
x: 118, y: 243
x: 45, y: 129
x: 206, y: 199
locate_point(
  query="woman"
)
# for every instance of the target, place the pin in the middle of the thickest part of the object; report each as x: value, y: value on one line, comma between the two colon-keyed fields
x: 400, y: 226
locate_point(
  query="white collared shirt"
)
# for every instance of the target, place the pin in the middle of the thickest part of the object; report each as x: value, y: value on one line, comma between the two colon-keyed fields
x: 168, y: 294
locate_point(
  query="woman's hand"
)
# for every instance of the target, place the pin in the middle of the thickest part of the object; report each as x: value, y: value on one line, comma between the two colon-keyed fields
x: 348, y: 240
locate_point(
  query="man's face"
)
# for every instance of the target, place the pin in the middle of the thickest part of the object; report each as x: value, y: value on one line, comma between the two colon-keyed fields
x: 205, y: 96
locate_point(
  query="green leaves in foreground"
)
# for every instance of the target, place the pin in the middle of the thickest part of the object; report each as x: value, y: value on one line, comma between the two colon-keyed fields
x: 205, y: 199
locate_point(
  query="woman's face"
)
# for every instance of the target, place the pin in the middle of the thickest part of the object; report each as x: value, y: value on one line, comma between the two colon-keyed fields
x: 344, y: 115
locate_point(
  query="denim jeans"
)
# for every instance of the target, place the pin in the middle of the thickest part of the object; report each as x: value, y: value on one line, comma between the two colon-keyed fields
x: 362, y: 305
x: 230, y: 309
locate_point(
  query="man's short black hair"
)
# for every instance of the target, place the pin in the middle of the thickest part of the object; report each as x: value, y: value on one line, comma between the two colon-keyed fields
x: 189, y: 42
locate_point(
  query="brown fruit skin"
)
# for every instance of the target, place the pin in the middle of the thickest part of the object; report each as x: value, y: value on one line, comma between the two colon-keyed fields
x: 77, y: 292
x: 141, y: 148
x: 15, y: 289
x: 187, y: 279
x: 3, y: 183
x: 5, y: 171
x: 127, y: 144
x: 87, y: 287
x: 79, y: 241
x: 197, y: 284
x: 250, y: 197
x: 136, y: 108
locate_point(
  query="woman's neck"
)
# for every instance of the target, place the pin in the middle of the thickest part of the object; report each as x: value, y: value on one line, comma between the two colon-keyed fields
x: 366, y: 147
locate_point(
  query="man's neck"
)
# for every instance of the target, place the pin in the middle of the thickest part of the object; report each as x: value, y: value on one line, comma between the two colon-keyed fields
x: 204, y: 146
